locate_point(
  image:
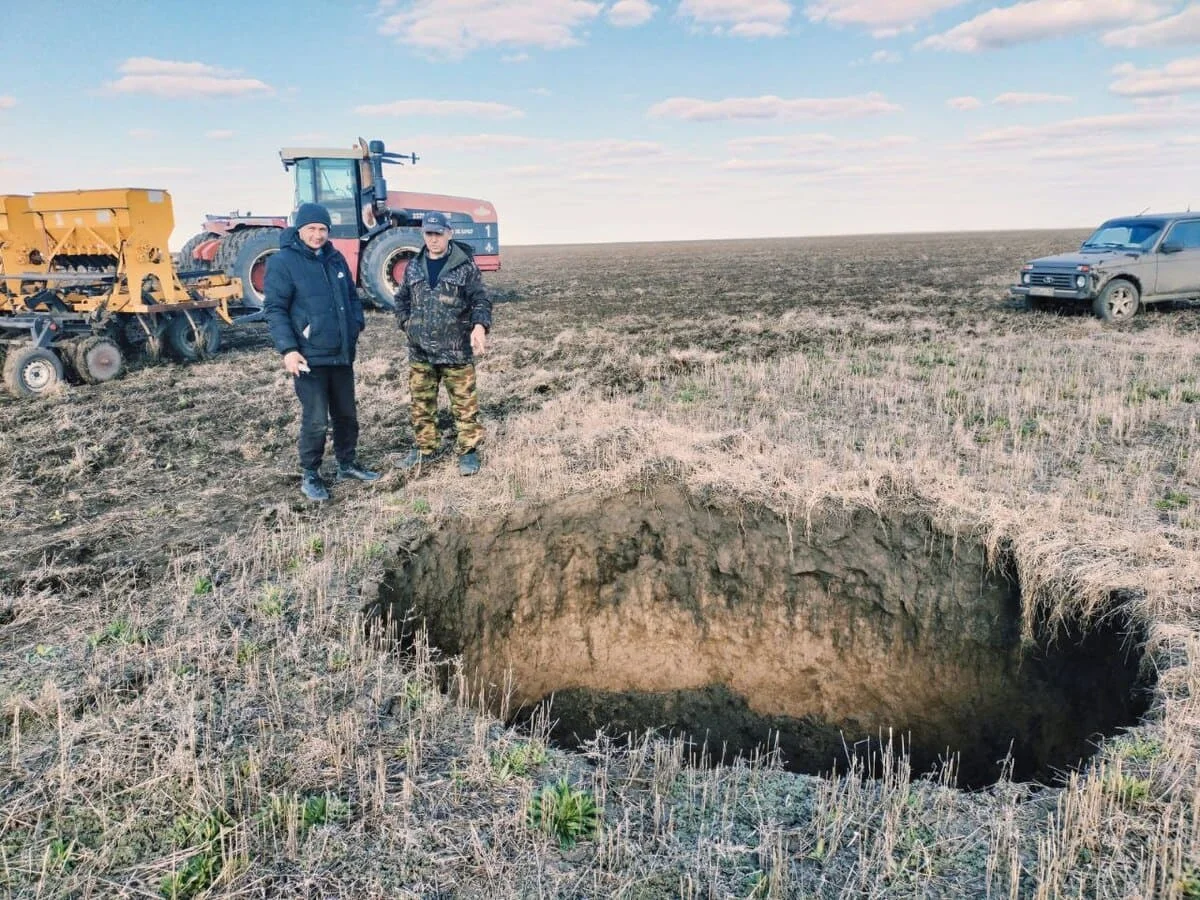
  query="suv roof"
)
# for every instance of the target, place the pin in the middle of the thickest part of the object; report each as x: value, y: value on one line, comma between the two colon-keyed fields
x: 1155, y: 217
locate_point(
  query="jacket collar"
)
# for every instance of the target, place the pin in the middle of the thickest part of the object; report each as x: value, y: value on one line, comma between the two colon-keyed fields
x: 455, y: 257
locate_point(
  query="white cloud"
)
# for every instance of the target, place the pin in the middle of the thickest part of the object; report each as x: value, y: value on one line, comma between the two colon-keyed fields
x: 778, y: 165
x: 1131, y: 152
x: 456, y: 27
x: 809, y: 143
x: 597, y: 177
x: 885, y: 56
x: 817, y: 170
x: 884, y: 18
x: 1019, y: 98
x: 613, y: 152
x: 171, y: 78
x: 219, y: 134
x: 1190, y: 140
x: 142, y: 133
x: 515, y: 58
x: 740, y: 18
x: 155, y: 170
x: 541, y: 91
x: 1182, y: 76
x: 626, y: 13
x: 528, y: 171
x: 1036, y: 20
x: 463, y: 108
x: 1183, y: 28
x: 769, y: 107
x: 1136, y: 124
x: 964, y: 104
x: 7, y: 102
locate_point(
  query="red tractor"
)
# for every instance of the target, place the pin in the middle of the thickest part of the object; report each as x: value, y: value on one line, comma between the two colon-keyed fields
x: 378, y: 232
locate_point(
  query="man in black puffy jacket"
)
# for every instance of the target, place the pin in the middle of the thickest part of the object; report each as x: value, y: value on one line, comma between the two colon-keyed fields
x: 315, y: 317
x: 444, y: 309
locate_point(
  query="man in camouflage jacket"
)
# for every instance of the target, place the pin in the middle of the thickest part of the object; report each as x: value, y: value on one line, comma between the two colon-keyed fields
x: 444, y: 309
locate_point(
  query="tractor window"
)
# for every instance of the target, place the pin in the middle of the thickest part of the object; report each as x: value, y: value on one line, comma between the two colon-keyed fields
x: 335, y: 181
x: 304, y: 183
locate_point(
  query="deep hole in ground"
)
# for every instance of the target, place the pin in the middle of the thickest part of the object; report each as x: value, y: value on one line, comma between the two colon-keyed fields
x: 741, y: 629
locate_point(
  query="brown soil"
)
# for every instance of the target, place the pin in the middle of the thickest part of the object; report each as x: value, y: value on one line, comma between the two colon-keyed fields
x: 650, y: 610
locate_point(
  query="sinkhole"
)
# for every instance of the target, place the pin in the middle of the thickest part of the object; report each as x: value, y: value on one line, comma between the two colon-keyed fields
x: 741, y: 629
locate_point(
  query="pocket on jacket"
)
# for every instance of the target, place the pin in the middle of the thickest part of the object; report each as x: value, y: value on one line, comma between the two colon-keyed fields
x: 324, y: 332
x: 452, y: 298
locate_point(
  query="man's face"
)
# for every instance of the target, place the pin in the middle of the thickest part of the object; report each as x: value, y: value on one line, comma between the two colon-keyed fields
x: 314, y: 235
x: 437, y: 243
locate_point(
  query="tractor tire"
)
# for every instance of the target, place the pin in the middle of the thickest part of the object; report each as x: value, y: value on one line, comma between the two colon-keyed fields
x: 1118, y: 302
x: 184, y: 261
x: 381, y: 269
x: 30, y: 371
x: 181, y: 338
x: 98, y: 359
x: 245, y: 255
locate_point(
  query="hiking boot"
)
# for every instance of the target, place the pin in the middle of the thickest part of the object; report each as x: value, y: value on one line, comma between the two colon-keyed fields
x: 357, y: 472
x: 412, y: 460
x: 312, y: 486
x: 468, y: 463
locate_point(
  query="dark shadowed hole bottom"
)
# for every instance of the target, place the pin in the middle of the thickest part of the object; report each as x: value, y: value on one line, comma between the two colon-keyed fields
x: 741, y: 629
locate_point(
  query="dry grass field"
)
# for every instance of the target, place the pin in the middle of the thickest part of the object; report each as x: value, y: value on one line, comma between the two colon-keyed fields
x: 903, y: 578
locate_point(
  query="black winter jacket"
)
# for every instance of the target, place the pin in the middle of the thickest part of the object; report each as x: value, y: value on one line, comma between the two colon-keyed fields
x: 439, y: 319
x: 311, y: 302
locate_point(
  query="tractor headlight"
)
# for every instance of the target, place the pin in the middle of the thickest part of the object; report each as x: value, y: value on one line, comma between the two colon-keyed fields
x: 1025, y: 278
x: 1081, y: 281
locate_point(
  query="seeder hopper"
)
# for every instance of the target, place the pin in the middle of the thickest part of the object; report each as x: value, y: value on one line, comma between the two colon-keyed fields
x: 86, y: 278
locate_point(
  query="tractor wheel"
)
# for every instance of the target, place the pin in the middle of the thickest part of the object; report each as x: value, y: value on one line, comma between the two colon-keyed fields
x: 98, y: 359
x: 1118, y: 302
x: 247, y: 253
x: 181, y: 337
x: 185, y: 262
x: 381, y: 269
x: 30, y: 371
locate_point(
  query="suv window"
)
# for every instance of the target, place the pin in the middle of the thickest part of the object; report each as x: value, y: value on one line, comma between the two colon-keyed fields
x: 1186, y: 234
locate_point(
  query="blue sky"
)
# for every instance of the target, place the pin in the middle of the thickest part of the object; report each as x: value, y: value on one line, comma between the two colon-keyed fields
x: 606, y: 120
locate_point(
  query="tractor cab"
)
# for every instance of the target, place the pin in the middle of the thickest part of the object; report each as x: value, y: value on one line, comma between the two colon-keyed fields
x: 349, y: 182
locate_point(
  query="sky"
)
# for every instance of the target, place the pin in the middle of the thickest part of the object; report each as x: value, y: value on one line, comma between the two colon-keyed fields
x: 625, y: 120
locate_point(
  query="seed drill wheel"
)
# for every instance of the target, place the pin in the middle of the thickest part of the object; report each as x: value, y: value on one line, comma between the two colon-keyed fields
x: 190, y: 343
x: 99, y: 359
x: 30, y: 371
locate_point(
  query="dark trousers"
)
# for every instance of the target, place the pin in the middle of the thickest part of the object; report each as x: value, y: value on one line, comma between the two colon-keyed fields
x: 327, y: 393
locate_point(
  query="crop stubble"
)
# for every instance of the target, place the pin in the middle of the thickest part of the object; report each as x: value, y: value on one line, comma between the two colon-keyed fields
x: 179, y: 632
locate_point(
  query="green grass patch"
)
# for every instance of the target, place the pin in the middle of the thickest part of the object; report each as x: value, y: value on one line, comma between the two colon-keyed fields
x: 565, y: 813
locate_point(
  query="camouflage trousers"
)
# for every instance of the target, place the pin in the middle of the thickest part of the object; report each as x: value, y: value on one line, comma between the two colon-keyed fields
x: 423, y: 381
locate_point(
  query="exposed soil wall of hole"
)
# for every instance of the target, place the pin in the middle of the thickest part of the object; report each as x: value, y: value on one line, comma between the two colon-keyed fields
x: 648, y: 611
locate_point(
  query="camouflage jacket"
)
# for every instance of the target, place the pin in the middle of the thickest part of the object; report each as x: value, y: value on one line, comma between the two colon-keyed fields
x: 438, y: 319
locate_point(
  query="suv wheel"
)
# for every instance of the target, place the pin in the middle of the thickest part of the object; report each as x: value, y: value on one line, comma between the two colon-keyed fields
x: 1118, y: 302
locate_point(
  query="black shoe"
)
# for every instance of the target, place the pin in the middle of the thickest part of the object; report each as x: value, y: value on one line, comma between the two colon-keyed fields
x: 357, y: 472
x: 468, y: 463
x: 312, y: 486
x: 412, y: 460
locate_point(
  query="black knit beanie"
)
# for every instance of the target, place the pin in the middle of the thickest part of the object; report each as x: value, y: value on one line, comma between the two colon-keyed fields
x: 312, y: 214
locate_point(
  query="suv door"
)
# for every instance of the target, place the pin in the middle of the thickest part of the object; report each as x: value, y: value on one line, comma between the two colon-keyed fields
x: 1179, y: 272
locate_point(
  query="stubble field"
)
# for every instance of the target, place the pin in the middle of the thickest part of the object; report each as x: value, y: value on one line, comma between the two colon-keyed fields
x: 793, y: 491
